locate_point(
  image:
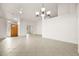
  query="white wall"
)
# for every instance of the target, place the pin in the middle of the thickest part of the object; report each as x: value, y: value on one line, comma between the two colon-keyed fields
x: 78, y: 25
x: 61, y: 28
x: 66, y: 8
x: 37, y: 28
x: 3, y: 28
x: 8, y: 28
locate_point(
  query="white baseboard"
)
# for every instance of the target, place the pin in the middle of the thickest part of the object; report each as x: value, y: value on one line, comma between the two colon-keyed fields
x: 60, y: 40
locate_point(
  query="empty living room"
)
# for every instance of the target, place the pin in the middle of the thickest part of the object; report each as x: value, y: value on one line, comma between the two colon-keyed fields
x: 39, y: 29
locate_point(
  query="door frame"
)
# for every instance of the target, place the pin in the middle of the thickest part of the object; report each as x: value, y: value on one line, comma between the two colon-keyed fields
x: 9, y: 28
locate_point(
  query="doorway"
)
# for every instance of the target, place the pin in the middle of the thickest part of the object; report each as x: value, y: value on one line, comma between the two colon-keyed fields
x: 14, y: 30
x: 28, y: 29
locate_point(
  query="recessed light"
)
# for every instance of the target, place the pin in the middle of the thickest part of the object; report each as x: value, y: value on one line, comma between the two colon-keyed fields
x: 20, y: 12
x: 9, y: 21
x: 15, y: 19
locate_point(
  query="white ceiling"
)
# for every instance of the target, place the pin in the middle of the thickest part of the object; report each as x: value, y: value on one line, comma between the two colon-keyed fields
x: 11, y: 10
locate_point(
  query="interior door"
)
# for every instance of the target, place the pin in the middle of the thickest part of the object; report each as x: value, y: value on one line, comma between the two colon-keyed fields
x: 14, y: 30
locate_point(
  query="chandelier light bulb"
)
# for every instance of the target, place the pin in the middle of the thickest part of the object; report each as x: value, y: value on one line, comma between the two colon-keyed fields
x: 48, y: 13
x: 37, y: 13
x: 43, y: 9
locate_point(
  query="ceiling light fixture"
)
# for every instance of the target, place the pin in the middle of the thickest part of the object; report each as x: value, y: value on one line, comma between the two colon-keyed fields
x: 9, y: 21
x: 15, y: 18
x: 43, y: 12
x: 20, y: 12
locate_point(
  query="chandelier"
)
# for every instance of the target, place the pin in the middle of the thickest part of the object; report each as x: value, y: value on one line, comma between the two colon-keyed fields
x: 43, y: 12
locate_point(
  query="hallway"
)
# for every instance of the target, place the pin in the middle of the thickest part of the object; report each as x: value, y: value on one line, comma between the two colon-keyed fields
x: 35, y: 45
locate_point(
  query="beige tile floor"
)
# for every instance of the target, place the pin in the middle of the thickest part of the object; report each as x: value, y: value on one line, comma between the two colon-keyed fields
x: 34, y: 45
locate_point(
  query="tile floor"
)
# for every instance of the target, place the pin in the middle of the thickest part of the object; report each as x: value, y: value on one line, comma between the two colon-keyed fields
x: 35, y: 45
